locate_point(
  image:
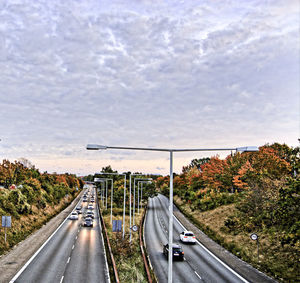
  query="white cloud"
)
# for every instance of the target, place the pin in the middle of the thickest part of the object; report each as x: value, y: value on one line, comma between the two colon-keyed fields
x: 135, y: 73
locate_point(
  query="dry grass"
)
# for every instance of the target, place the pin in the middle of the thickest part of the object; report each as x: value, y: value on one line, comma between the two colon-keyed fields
x: 275, y: 260
x: 27, y: 224
x: 128, y: 257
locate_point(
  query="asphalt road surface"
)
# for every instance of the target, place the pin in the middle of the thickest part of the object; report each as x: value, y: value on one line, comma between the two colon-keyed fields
x: 198, y: 266
x: 74, y: 254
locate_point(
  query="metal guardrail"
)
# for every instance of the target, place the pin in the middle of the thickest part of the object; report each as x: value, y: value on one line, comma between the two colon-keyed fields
x: 116, y: 276
x: 141, y: 232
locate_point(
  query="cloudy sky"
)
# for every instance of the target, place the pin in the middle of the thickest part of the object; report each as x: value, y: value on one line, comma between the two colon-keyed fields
x: 171, y: 74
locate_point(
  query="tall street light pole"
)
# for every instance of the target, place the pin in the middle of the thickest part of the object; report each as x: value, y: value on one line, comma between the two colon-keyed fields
x: 111, y: 193
x: 130, y: 204
x: 240, y: 149
x: 149, y: 179
x: 124, y: 202
x: 98, y: 180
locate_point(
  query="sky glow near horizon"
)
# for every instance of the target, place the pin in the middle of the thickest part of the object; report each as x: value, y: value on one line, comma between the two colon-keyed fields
x: 165, y: 74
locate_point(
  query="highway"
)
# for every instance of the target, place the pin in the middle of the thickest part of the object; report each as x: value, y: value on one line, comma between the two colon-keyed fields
x: 73, y: 254
x: 198, y: 265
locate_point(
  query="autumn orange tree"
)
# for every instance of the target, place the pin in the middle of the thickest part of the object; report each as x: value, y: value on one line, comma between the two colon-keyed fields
x: 236, y: 173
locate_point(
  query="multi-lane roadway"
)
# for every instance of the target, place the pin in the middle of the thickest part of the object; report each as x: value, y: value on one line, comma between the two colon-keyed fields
x: 199, y: 265
x: 73, y: 254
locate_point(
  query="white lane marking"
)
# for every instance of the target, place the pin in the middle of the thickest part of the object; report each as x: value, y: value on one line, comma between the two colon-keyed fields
x: 68, y: 259
x: 198, y: 275
x: 62, y: 279
x: 214, y: 256
x: 101, y: 230
x: 73, y: 247
x: 37, y: 252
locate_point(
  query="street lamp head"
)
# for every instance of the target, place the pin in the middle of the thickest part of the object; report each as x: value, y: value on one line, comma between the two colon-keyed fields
x: 95, y: 147
x: 247, y: 149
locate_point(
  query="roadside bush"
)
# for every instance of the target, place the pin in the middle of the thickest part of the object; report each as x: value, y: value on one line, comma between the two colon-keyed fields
x: 29, y: 193
x: 165, y: 190
x: 33, y: 183
x: 10, y: 208
x: 230, y: 222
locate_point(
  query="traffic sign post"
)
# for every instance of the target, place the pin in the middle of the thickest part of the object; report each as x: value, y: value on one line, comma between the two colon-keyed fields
x: 6, y: 223
x: 134, y: 228
x: 255, y: 237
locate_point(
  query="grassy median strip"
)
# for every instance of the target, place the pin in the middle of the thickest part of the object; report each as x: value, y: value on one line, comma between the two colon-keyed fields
x: 129, y: 260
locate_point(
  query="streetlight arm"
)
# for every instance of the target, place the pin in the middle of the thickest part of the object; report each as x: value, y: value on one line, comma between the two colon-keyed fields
x: 240, y: 149
x: 247, y: 149
x: 95, y: 147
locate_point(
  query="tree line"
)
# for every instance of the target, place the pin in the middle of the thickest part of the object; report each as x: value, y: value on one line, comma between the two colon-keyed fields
x: 24, y: 187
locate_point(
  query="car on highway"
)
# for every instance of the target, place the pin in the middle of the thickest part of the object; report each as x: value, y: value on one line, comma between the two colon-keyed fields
x: 90, y: 214
x: 187, y: 237
x: 74, y: 216
x: 90, y: 206
x: 88, y: 222
x: 178, y: 253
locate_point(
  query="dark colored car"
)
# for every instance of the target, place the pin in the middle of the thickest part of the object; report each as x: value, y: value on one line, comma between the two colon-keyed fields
x: 90, y: 214
x: 177, y: 251
x: 88, y: 222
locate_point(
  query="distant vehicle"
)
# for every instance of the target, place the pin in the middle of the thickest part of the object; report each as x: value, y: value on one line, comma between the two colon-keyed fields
x: 79, y: 207
x: 84, y: 200
x: 92, y: 200
x: 187, y: 237
x: 74, y: 216
x: 79, y: 211
x: 90, y: 214
x: 90, y: 206
x: 177, y: 251
x: 88, y: 222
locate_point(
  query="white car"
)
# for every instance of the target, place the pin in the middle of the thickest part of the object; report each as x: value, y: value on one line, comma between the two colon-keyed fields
x: 187, y: 237
x: 74, y: 216
x: 90, y: 206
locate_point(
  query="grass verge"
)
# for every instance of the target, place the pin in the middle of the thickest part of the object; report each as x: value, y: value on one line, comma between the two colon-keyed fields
x: 26, y: 225
x: 276, y: 261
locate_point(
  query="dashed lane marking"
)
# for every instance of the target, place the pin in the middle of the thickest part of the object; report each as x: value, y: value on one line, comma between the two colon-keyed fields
x: 198, y: 275
x: 69, y: 259
x: 62, y: 279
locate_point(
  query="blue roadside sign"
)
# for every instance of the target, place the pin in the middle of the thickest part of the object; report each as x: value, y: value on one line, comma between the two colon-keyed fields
x: 117, y: 225
x: 6, y: 221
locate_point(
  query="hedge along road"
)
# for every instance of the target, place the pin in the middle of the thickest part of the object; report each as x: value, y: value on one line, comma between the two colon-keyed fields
x: 73, y: 254
x: 199, y: 265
